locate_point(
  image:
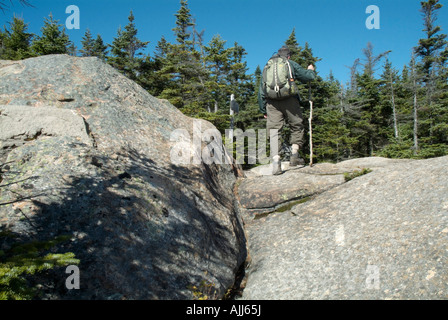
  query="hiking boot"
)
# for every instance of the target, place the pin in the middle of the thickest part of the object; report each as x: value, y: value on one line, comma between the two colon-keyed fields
x: 277, y: 168
x: 295, y: 160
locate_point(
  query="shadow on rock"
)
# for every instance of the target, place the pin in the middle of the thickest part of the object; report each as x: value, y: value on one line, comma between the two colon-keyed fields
x: 140, y: 231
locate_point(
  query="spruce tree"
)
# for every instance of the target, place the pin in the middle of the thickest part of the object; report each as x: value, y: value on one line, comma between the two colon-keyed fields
x: 184, y: 70
x: 93, y: 47
x: 353, y: 85
x: 429, y: 48
x: 125, y: 55
x: 249, y: 116
x: 161, y: 49
x: 183, y: 24
x: 198, y: 41
x: 370, y: 117
x: 87, y: 44
x: 331, y: 137
x: 296, y: 50
x: 16, y: 41
x: 217, y: 58
x: 407, y: 92
x: 176, y: 56
x: 431, y: 55
x: 72, y: 50
x: 239, y: 82
x: 53, y: 40
x: 308, y: 57
x: 99, y: 48
x: 371, y: 60
x: 151, y: 78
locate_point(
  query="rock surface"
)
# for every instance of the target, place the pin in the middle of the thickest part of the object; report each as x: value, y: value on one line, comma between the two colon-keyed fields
x: 383, y: 235
x: 21, y: 124
x: 262, y: 193
x: 86, y: 152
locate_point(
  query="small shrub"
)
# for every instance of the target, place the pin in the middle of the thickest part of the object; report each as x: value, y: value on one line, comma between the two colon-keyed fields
x: 23, y: 259
x: 352, y: 175
x: 205, y: 291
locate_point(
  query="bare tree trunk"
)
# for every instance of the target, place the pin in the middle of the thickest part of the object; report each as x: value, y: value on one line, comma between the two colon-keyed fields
x: 415, y: 121
x: 394, y: 110
x: 414, y: 90
x: 353, y: 72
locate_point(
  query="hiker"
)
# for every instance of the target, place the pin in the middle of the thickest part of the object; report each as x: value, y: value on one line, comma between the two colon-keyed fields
x: 279, y: 100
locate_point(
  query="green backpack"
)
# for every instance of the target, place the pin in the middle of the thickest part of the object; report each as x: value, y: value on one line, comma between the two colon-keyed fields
x: 278, y: 82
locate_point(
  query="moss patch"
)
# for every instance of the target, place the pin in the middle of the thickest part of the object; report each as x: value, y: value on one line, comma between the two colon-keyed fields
x: 286, y: 207
x: 352, y: 175
x: 289, y: 206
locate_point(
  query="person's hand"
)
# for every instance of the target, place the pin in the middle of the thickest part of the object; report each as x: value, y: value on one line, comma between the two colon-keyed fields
x: 265, y: 116
x: 311, y: 67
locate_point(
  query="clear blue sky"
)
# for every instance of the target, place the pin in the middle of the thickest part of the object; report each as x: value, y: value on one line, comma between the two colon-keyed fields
x: 335, y: 29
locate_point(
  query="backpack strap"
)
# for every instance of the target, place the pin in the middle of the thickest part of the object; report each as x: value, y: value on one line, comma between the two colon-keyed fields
x: 276, y: 87
x: 291, y: 78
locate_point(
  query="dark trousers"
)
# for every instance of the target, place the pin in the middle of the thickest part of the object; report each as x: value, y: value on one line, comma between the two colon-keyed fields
x: 290, y: 110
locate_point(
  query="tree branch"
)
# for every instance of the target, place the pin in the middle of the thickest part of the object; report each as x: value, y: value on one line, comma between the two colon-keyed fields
x: 3, y: 4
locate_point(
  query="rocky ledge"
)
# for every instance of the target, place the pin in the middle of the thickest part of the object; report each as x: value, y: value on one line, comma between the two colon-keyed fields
x: 382, y: 235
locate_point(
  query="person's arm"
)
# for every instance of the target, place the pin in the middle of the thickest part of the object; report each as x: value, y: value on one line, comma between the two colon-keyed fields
x: 301, y: 74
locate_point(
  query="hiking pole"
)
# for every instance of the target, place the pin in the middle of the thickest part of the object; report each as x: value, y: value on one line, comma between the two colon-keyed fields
x: 310, y: 119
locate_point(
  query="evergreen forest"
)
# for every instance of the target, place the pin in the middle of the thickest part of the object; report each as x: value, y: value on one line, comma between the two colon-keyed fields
x: 384, y: 110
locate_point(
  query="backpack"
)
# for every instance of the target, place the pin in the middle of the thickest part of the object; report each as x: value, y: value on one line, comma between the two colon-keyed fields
x: 278, y: 82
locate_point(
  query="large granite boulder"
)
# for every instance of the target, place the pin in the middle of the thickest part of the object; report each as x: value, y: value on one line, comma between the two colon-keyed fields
x: 86, y: 152
x: 383, y: 235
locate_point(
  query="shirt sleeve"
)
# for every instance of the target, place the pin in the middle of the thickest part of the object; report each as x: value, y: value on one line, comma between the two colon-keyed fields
x: 302, y: 74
